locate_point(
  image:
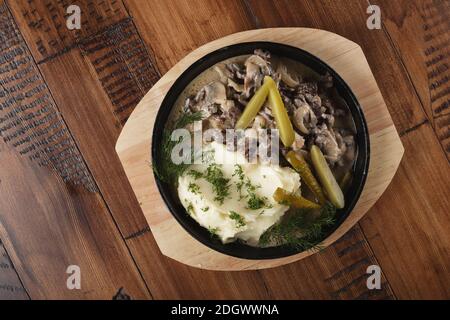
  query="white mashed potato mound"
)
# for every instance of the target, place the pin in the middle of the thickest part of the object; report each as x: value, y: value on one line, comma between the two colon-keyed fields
x: 233, y: 218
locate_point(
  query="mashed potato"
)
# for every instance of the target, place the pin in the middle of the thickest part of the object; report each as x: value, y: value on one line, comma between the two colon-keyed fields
x: 233, y: 198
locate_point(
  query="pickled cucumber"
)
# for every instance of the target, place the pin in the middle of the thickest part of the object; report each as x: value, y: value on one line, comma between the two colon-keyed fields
x: 294, y: 200
x: 301, y: 166
x: 280, y: 114
x: 253, y: 107
x: 327, y: 179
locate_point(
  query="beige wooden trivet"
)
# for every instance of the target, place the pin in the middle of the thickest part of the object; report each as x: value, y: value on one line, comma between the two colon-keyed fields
x: 345, y: 57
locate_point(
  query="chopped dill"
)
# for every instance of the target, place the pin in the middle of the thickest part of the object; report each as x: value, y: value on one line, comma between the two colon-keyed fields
x: 195, y: 174
x: 240, y: 175
x: 205, y: 209
x: 213, y: 231
x: 239, y: 172
x: 220, y: 185
x: 250, y: 187
x: 240, y: 222
x: 163, y: 166
x: 194, y: 188
x: 254, y: 202
x: 190, y: 208
x: 301, y: 230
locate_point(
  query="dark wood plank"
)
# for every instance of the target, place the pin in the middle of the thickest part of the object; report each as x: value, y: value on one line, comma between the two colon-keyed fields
x: 52, y: 214
x: 408, y: 227
x: 91, y: 118
x: 338, y: 272
x: 169, y: 279
x: 53, y: 225
x: 174, y: 28
x: 46, y: 22
x: 95, y: 130
x: 420, y: 30
x: 96, y: 85
x: 10, y: 286
x: 442, y: 128
x: 429, y: 208
x: 96, y: 82
x: 122, y: 64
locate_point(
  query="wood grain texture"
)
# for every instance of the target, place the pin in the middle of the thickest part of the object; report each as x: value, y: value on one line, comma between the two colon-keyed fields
x: 79, y: 114
x: 110, y: 71
x: 408, y: 116
x: 28, y: 120
x: 169, y: 279
x: 52, y: 215
x: 10, y: 286
x: 181, y: 42
x: 60, y: 225
x: 420, y: 31
x: 122, y: 64
x: 174, y: 28
x: 189, y: 26
x: 89, y: 115
x: 338, y: 272
x: 96, y: 83
x: 45, y: 21
x: 346, y: 58
x: 408, y: 228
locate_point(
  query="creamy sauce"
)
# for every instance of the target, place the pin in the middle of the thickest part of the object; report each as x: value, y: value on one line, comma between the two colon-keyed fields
x: 233, y: 219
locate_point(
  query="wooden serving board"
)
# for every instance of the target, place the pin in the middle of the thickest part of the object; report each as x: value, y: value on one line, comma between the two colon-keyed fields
x: 345, y: 57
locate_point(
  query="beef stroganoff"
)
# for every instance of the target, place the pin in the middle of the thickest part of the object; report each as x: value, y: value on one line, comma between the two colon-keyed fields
x: 273, y: 156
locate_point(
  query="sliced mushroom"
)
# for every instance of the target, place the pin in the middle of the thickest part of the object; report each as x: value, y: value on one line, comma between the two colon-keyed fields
x: 236, y: 86
x: 304, y: 118
x: 314, y: 100
x: 260, y: 62
x: 230, y: 113
x: 215, y: 122
x: 237, y: 71
x: 224, y: 74
x: 227, y: 106
x: 330, y: 143
x: 328, y: 118
x: 286, y: 77
x: 208, y: 98
x: 256, y: 68
x: 266, y: 109
x: 253, y: 78
x: 342, y: 147
x: 266, y: 113
x: 215, y: 93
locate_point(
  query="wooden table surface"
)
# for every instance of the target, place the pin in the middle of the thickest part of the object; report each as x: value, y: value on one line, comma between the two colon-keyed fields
x: 65, y: 200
